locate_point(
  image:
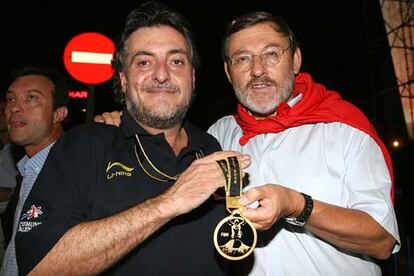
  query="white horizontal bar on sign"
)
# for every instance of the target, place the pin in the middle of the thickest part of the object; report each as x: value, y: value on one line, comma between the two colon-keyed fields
x: 90, y: 57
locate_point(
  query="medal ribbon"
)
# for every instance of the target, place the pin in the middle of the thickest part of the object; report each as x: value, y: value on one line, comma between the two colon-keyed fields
x: 233, y: 188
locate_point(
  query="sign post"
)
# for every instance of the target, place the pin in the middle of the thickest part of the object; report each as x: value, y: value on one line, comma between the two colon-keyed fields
x: 87, y: 57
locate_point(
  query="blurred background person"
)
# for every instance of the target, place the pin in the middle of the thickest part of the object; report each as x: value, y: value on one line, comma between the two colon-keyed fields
x: 35, y: 110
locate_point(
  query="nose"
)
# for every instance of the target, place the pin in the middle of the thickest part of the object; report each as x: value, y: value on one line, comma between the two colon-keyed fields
x: 162, y: 72
x: 14, y: 106
x: 258, y: 68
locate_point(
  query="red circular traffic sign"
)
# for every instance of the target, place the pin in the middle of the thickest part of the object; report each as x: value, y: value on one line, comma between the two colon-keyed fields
x: 87, y: 57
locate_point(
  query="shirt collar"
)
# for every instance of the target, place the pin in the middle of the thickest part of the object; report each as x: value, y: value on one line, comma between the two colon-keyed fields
x: 295, y: 100
x: 130, y: 127
x: 35, y: 162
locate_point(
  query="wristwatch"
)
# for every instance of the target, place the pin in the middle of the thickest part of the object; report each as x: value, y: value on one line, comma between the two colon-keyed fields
x: 306, y: 213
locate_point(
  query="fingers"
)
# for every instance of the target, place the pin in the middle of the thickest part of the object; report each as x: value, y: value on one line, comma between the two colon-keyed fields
x: 261, y: 217
x: 201, y: 180
x: 109, y: 118
x: 223, y: 155
x: 258, y: 217
x: 243, y: 158
x: 252, y: 195
x: 244, y: 161
x: 269, y: 210
x: 195, y: 185
x: 98, y: 119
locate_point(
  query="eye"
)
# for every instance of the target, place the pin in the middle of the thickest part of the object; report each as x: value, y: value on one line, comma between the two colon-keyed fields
x: 32, y: 98
x: 143, y: 63
x: 272, y: 53
x: 177, y: 62
x: 10, y: 99
x: 243, y: 59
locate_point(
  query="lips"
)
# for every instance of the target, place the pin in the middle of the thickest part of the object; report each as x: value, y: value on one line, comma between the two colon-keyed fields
x: 158, y: 90
x: 259, y: 85
x: 17, y: 123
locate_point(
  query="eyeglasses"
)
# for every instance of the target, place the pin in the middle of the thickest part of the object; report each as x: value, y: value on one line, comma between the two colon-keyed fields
x: 269, y: 57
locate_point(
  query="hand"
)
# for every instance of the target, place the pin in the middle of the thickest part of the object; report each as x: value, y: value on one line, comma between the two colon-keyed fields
x: 275, y: 202
x: 199, y: 181
x: 109, y: 118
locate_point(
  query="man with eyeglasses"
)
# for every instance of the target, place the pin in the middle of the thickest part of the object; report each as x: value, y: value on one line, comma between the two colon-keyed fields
x: 320, y: 182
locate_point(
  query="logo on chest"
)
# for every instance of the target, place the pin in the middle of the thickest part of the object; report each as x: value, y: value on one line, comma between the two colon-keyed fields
x: 26, y: 222
x: 116, y: 169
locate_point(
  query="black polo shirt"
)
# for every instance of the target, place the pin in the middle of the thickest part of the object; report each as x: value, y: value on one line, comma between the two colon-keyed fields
x: 92, y: 173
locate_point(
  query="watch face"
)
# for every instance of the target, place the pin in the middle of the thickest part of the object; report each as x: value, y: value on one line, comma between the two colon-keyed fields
x: 235, y: 237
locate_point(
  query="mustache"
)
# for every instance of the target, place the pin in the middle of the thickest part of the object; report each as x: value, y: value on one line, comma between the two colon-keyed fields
x: 263, y: 79
x: 16, y: 118
x: 165, y: 86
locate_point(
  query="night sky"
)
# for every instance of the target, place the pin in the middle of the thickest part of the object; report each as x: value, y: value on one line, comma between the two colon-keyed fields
x: 333, y: 36
x: 343, y: 45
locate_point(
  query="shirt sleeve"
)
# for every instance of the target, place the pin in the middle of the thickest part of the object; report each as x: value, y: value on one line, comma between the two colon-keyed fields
x: 368, y: 180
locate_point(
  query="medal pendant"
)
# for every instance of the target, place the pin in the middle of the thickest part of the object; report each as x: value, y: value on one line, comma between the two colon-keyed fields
x: 235, y: 237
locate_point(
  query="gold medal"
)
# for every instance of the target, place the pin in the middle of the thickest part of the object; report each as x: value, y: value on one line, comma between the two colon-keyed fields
x: 235, y: 236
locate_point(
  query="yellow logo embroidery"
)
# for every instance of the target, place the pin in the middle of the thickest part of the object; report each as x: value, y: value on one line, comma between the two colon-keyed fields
x: 126, y: 171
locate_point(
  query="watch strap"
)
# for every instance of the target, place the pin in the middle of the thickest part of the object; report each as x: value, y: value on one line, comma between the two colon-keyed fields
x: 306, y: 213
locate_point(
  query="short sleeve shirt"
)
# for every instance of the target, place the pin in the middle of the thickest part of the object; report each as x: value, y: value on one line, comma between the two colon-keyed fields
x: 93, y: 173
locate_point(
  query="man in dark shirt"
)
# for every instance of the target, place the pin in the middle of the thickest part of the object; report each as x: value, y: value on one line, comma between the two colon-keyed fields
x: 134, y: 200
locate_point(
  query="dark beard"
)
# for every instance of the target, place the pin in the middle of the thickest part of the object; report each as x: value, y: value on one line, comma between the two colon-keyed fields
x: 145, y: 116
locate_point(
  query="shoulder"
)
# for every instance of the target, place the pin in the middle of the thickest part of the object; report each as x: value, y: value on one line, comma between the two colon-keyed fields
x: 226, y: 123
x: 355, y: 143
x: 355, y: 136
x: 93, y: 130
x: 201, y: 138
x: 225, y: 128
x: 86, y: 136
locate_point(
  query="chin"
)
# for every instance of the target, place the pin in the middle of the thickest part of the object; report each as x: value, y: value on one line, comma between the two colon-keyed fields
x: 261, y: 111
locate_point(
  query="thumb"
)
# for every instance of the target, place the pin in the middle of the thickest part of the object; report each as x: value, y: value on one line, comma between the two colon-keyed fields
x: 249, y: 197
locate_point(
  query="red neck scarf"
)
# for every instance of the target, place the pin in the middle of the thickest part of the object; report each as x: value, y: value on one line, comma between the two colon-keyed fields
x: 316, y: 106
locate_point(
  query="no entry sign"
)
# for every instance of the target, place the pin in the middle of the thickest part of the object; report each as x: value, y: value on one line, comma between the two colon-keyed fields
x: 87, y: 57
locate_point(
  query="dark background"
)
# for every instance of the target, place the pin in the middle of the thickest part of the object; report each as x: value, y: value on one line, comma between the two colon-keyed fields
x: 343, y: 45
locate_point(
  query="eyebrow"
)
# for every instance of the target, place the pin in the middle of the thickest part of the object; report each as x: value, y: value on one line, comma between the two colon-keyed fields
x: 147, y: 53
x: 270, y: 45
x: 26, y: 91
x: 178, y: 51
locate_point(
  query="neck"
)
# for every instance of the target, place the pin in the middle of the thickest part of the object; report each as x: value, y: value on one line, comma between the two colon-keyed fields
x: 176, y: 136
x: 32, y: 150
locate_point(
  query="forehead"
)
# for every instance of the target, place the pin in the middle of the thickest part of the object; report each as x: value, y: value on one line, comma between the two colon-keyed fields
x: 156, y: 39
x: 31, y: 83
x: 256, y: 37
